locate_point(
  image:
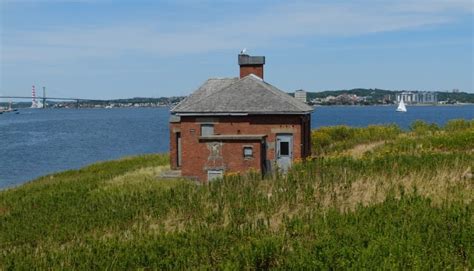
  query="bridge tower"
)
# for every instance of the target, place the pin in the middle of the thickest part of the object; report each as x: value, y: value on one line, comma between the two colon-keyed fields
x: 34, y: 103
x: 44, y: 97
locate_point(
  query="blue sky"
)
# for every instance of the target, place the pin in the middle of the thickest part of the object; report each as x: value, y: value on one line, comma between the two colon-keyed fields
x: 117, y: 49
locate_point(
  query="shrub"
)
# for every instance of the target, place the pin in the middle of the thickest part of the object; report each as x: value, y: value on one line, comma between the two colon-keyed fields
x: 326, y: 140
x: 458, y: 125
x: 420, y: 127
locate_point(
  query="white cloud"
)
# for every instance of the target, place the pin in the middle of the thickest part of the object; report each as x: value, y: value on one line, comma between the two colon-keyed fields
x: 269, y: 26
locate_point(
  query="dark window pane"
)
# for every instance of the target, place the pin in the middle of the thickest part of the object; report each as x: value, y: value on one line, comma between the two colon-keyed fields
x: 284, y: 148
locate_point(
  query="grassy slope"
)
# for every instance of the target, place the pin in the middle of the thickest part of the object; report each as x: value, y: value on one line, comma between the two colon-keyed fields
x: 403, y: 203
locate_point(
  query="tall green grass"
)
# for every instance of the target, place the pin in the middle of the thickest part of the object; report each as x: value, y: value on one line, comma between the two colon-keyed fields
x: 338, y: 138
x: 385, y: 210
x: 455, y: 136
x: 420, y: 127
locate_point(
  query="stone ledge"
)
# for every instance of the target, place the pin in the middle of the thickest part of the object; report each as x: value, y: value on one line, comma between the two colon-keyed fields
x: 170, y: 174
x: 232, y: 137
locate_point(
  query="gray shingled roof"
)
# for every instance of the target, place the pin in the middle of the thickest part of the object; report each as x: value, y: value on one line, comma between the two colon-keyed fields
x: 250, y: 95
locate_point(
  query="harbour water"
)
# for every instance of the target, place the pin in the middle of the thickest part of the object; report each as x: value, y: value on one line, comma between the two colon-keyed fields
x: 37, y: 142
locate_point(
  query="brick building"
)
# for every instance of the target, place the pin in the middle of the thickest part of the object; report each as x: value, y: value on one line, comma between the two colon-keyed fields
x: 237, y: 124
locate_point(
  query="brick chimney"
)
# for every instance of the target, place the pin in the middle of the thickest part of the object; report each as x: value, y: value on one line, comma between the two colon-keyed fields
x: 251, y: 64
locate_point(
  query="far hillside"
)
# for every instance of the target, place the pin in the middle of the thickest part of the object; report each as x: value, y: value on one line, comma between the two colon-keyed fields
x: 379, y: 96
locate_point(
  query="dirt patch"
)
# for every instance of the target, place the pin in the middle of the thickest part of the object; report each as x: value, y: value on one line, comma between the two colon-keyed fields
x: 359, y: 150
x: 137, y: 176
x: 4, y: 210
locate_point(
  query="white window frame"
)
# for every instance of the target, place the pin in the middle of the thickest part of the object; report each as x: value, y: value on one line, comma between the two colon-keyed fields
x: 248, y: 148
x: 206, y: 128
x: 213, y: 174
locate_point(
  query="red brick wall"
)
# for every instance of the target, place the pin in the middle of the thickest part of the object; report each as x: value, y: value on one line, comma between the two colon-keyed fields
x: 195, y: 153
x: 255, y: 69
x: 196, y: 160
x: 234, y: 157
x: 174, y: 128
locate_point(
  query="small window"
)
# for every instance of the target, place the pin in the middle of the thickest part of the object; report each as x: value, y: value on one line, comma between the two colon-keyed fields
x: 214, y: 174
x: 248, y: 152
x: 284, y: 148
x: 207, y: 129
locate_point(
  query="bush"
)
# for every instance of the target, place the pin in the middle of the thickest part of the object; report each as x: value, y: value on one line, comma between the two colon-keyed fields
x: 326, y: 140
x: 420, y: 127
x: 459, y: 125
x: 320, y: 141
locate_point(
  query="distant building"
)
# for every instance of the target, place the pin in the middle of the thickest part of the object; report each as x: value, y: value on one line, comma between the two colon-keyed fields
x: 407, y: 97
x: 347, y: 98
x: 236, y: 124
x: 427, y: 97
x: 329, y: 98
x: 301, y: 95
x: 418, y: 97
x: 387, y: 98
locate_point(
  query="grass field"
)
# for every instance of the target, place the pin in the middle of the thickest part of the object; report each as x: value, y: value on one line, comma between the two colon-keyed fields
x: 370, y: 198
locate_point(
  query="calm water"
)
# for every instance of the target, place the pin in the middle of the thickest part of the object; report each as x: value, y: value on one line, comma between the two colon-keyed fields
x: 39, y: 142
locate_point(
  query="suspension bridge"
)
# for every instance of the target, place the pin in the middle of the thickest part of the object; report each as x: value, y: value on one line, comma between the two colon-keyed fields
x: 77, y: 101
x: 44, y: 98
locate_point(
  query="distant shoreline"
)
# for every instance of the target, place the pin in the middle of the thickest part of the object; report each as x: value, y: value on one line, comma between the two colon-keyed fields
x: 390, y: 105
x: 315, y: 106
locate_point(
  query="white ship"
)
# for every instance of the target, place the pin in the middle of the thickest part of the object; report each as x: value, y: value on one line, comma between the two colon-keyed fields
x: 401, y: 107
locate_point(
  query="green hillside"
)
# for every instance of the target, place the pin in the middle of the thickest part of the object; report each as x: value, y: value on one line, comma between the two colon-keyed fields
x: 362, y: 92
x: 377, y: 95
x: 370, y: 198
